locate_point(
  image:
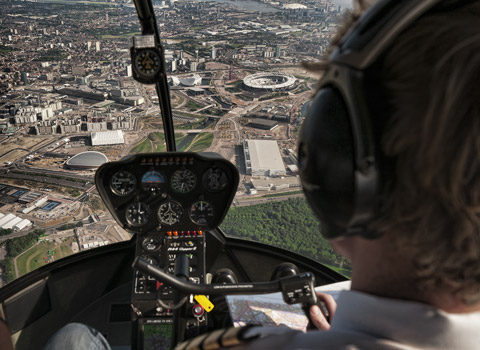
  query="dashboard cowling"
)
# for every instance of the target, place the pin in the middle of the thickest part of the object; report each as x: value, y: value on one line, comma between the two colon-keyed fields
x: 162, y: 191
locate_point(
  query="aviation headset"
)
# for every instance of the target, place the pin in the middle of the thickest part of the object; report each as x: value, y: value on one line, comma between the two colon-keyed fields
x: 341, y: 167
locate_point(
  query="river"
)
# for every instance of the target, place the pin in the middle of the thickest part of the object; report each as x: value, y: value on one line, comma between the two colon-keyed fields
x: 263, y: 7
x: 249, y: 5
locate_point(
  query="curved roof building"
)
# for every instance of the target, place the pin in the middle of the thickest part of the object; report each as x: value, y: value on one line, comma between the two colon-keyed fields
x: 192, y: 80
x: 86, y: 160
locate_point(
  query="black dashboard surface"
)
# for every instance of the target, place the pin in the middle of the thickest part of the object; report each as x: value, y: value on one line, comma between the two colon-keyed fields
x: 168, y: 192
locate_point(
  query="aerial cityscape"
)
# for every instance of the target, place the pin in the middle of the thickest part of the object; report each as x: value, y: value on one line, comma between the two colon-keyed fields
x: 69, y: 103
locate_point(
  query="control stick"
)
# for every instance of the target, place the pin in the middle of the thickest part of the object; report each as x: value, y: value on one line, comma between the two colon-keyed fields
x: 296, y: 289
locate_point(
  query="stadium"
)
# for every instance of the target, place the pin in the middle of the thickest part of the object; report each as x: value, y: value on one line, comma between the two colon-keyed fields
x: 267, y: 81
x: 86, y: 160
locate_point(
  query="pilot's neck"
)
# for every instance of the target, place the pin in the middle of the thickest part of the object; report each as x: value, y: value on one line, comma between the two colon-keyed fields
x: 378, y: 268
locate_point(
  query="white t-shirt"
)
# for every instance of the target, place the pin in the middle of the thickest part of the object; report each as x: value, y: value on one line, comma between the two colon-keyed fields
x: 364, y: 321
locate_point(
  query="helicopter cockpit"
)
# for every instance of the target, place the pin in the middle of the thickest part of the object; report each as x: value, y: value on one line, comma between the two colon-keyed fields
x: 173, y: 203
x: 179, y: 280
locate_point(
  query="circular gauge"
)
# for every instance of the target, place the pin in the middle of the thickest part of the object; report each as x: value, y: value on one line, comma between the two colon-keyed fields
x: 183, y: 181
x: 170, y: 213
x: 152, y: 181
x: 147, y: 64
x: 201, y: 213
x: 151, y: 244
x: 215, y: 180
x: 137, y: 214
x: 123, y: 183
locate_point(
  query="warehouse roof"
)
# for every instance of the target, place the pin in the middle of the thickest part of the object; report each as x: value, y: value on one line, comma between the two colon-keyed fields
x: 264, y: 155
x: 112, y: 137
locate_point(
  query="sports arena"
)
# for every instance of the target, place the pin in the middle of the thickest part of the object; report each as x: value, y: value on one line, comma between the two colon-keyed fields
x: 269, y: 81
x: 86, y: 160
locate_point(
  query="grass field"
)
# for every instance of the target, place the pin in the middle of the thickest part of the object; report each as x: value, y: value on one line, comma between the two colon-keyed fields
x: 155, y: 142
x: 202, y: 142
x: 345, y: 272
x: 193, y: 106
x: 143, y: 147
x: 157, y: 138
x: 36, y: 256
x: 177, y: 101
x: 178, y: 138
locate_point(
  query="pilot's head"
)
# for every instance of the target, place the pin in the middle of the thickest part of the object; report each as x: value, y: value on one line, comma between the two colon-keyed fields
x: 389, y: 154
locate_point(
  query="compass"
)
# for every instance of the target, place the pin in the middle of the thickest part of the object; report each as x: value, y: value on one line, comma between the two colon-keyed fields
x: 147, y: 64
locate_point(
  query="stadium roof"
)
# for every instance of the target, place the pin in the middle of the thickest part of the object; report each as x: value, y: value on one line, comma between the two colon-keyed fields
x: 113, y: 137
x: 269, y: 80
x: 87, y: 160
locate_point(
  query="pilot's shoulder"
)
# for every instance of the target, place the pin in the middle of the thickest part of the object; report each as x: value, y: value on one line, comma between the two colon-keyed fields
x: 238, y: 338
x: 282, y: 338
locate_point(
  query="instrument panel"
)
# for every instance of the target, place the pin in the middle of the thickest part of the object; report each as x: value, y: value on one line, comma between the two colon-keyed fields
x: 168, y: 191
x: 169, y: 200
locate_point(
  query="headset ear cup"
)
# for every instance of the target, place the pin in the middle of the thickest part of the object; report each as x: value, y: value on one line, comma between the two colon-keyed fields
x: 326, y: 161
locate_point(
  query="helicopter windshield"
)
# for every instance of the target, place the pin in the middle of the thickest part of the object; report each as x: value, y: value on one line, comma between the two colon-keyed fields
x: 69, y: 103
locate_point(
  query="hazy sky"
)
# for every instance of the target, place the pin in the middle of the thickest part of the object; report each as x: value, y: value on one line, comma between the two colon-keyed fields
x: 344, y: 3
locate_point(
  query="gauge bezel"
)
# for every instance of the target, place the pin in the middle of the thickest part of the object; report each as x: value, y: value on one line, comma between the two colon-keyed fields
x: 147, y: 212
x: 140, y: 73
x: 151, y: 238
x: 118, y: 193
x: 153, y: 187
x: 224, y: 177
x: 191, y: 175
x: 196, y: 221
x: 160, y: 218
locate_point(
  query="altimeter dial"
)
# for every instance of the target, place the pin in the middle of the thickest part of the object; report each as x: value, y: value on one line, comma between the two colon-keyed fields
x: 137, y: 214
x: 183, y: 181
x: 170, y: 213
x: 123, y: 183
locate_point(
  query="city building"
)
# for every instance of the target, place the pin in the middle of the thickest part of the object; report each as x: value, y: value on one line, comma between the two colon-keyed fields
x: 263, y: 124
x: 86, y: 160
x: 102, y: 138
x: 262, y: 158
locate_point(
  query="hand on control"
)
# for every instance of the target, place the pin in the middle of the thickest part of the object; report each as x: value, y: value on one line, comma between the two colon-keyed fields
x: 321, y: 319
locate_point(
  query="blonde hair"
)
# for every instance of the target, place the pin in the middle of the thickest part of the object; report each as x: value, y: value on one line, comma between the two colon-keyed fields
x: 431, y: 78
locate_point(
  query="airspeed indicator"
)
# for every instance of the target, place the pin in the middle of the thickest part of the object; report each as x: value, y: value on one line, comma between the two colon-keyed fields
x: 183, y: 181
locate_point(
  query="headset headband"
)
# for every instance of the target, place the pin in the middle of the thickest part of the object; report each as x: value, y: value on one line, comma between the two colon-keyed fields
x: 377, y: 29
